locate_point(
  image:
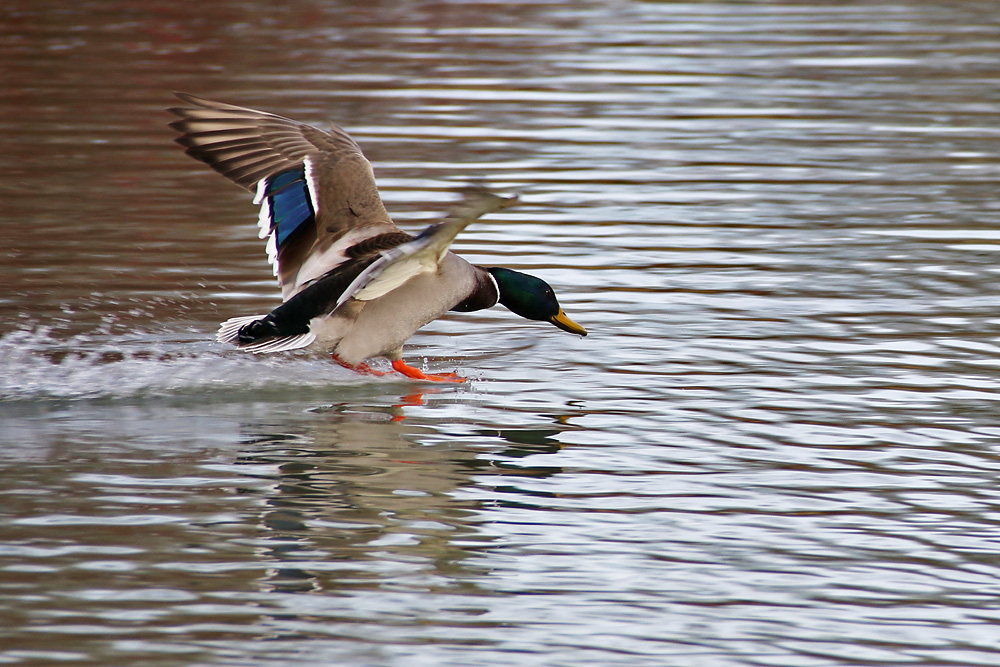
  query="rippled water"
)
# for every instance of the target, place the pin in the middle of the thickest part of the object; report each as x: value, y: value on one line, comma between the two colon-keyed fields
x: 779, y: 445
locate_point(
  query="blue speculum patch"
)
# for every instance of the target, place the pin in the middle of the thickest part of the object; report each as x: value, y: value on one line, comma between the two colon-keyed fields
x: 290, y: 206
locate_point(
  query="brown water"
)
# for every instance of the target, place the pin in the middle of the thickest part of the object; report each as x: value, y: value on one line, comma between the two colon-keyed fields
x: 780, y: 445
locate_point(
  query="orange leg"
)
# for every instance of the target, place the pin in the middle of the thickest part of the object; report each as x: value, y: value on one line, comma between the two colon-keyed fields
x: 362, y: 368
x: 400, y: 366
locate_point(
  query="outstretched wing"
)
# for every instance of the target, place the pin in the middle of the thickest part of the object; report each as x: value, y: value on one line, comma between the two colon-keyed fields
x: 424, y: 253
x: 315, y: 188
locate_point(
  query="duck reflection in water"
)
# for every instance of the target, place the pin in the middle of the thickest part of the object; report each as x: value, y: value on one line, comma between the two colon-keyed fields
x: 360, y: 494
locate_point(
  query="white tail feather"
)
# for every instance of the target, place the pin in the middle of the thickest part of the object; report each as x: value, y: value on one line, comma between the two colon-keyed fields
x: 280, y: 344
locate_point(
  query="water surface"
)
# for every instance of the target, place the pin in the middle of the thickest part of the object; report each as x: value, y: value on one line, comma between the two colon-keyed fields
x: 778, y: 446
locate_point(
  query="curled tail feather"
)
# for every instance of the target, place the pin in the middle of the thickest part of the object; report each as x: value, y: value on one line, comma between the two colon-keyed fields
x: 237, y: 331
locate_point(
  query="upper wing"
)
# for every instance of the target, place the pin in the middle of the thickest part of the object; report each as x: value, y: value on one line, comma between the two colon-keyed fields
x: 423, y: 254
x: 313, y: 187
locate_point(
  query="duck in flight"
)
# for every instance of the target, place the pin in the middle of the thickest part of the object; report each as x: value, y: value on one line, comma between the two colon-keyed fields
x: 352, y: 282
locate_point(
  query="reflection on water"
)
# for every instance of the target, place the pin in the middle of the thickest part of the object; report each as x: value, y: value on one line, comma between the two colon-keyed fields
x: 778, y: 446
x: 331, y: 522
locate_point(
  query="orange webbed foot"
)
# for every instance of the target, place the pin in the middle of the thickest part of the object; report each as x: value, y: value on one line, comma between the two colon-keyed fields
x: 401, y: 366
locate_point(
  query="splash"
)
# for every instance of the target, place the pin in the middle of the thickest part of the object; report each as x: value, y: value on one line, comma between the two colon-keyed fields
x: 40, y: 363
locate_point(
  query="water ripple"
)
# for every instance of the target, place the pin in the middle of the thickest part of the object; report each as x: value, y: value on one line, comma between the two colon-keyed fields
x: 778, y: 446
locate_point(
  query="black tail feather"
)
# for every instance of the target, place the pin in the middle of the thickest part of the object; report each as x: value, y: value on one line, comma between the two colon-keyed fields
x: 268, y: 327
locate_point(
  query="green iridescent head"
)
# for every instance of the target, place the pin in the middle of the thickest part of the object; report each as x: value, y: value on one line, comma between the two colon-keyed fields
x: 532, y: 298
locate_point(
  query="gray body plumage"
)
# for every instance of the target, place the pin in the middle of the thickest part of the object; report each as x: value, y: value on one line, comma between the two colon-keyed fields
x: 381, y: 326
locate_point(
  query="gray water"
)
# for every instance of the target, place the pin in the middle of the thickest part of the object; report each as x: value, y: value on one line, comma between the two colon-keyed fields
x: 779, y: 446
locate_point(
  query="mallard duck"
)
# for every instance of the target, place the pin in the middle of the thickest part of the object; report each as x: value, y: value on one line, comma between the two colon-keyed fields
x: 352, y: 282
